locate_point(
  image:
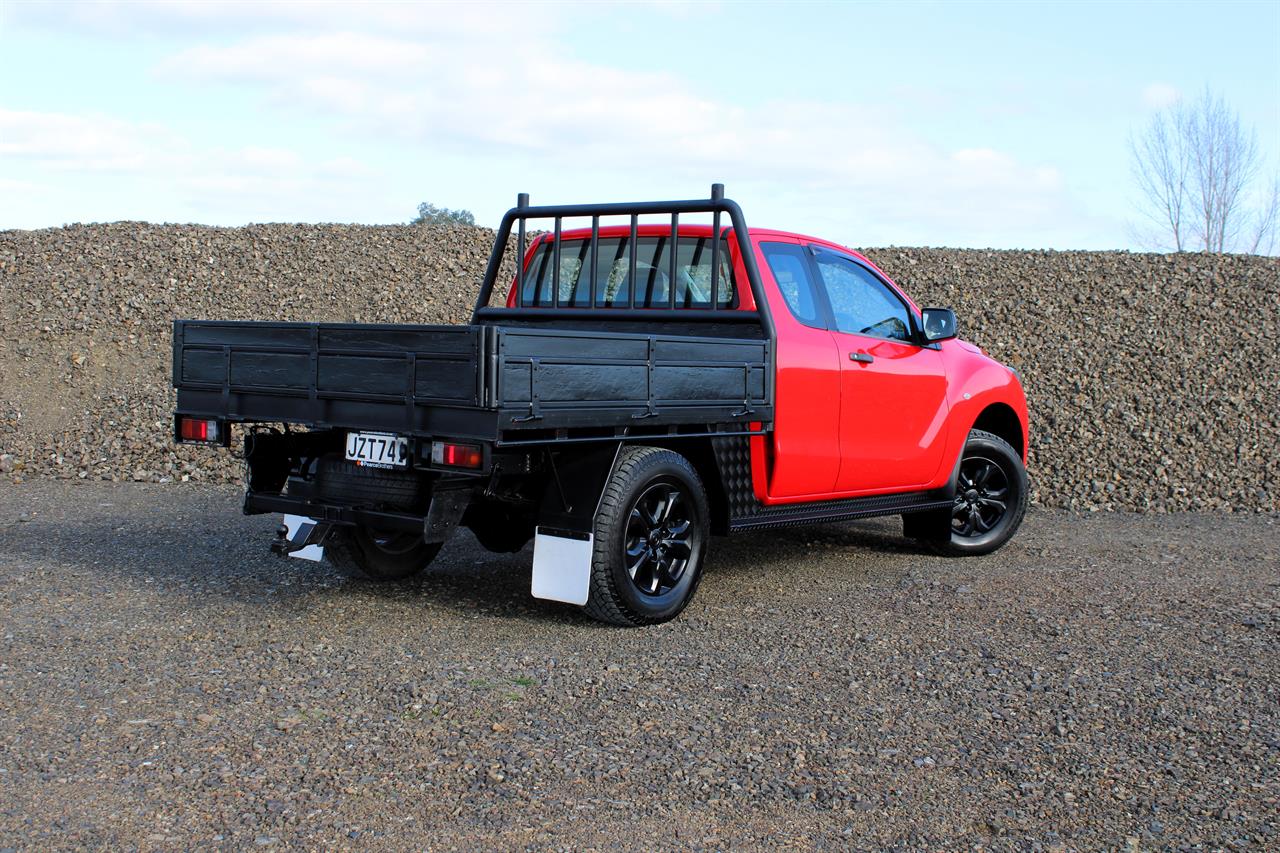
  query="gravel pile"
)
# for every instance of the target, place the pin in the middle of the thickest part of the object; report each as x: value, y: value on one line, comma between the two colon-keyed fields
x: 1152, y: 378
x: 87, y: 315
x: 1105, y: 682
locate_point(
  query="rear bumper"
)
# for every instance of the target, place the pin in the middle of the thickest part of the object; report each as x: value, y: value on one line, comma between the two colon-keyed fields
x: 256, y: 503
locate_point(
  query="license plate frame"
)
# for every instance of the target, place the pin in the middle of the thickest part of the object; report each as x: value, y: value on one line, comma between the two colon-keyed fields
x: 378, y: 449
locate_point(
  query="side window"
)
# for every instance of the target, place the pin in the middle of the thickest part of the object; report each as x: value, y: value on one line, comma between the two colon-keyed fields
x: 861, y: 303
x: 790, y: 268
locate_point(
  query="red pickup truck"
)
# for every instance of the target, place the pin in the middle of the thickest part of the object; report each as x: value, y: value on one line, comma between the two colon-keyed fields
x: 636, y: 388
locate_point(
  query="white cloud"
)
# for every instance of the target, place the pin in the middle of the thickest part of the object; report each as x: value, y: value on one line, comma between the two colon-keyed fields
x: 145, y: 159
x: 346, y: 167
x: 216, y: 18
x: 498, y: 85
x: 1160, y: 95
x: 11, y: 187
x: 528, y: 97
x: 337, y: 56
x: 82, y: 142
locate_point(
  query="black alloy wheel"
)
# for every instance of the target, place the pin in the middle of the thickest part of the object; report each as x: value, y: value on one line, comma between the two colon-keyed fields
x: 982, y: 497
x: 659, y: 540
x: 990, y: 501
x: 652, y: 530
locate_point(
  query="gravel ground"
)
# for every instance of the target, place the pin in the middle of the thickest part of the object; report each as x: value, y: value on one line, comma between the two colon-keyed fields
x: 1106, y: 681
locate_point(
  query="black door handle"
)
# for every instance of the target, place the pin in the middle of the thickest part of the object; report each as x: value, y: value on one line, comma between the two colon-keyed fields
x: 862, y: 357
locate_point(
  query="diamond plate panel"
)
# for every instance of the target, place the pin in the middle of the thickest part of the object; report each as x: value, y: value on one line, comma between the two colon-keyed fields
x: 733, y: 456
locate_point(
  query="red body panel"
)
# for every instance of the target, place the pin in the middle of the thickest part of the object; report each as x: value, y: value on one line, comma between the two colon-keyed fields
x: 893, y: 415
x: 904, y: 418
x: 805, y: 446
x: 844, y: 428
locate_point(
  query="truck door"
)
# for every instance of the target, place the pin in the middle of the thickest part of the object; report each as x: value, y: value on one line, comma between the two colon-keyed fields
x: 806, y: 438
x: 893, y: 391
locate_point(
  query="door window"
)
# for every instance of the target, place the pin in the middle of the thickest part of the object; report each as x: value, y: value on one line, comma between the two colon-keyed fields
x: 860, y: 302
x: 789, y: 264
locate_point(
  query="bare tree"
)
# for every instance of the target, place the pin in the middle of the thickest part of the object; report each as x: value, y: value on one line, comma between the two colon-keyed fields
x: 1264, y: 234
x: 1196, y: 168
x: 1161, y: 165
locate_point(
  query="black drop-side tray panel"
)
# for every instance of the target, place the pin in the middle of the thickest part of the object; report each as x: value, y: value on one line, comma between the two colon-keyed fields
x: 579, y: 378
x: 374, y: 376
x: 470, y: 381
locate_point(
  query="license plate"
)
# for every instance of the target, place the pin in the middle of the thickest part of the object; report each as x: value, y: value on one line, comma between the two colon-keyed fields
x: 378, y: 449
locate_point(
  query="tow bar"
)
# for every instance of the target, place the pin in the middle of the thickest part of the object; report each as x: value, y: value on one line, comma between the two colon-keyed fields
x: 302, y: 537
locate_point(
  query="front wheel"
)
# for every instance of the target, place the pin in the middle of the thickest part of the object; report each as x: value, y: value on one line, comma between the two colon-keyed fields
x: 379, y: 555
x: 650, y: 538
x: 989, y: 505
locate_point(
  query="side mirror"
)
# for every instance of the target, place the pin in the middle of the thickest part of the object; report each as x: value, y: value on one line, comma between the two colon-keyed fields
x: 939, y: 324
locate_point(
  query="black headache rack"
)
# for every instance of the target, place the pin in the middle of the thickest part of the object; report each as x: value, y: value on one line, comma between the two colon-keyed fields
x: 724, y: 381
x: 718, y: 206
x: 516, y: 376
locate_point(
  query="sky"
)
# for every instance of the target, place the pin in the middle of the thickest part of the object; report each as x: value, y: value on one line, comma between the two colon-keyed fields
x: 1000, y: 125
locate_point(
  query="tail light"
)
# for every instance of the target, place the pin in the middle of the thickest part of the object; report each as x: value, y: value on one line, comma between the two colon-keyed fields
x: 451, y: 455
x: 200, y: 430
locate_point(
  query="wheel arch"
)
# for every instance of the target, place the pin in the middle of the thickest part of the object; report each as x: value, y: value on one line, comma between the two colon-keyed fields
x: 1000, y: 419
x: 584, y: 469
x: 702, y: 457
x: 1000, y: 414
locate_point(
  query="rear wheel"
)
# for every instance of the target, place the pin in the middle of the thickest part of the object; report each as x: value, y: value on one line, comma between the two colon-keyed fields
x: 379, y: 555
x: 360, y: 551
x: 990, y: 501
x: 650, y: 538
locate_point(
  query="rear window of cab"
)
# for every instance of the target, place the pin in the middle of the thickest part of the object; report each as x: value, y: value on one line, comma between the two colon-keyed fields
x: 613, y: 286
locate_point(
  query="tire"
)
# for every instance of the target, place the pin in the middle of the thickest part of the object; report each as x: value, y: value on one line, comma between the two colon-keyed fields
x: 990, y: 502
x: 346, y: 483
x: 499, y: 527
x: 361, y: 552
x: 651, y: 535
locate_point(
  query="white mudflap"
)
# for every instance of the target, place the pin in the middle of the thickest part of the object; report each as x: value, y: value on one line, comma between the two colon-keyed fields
x: 561, y: 565
x: 300, y: 525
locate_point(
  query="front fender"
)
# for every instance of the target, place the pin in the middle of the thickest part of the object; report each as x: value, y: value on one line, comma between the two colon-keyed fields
x: 974, y: 384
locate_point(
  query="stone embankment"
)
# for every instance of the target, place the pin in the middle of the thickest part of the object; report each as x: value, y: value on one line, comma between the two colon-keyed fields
x: 1152, y: 379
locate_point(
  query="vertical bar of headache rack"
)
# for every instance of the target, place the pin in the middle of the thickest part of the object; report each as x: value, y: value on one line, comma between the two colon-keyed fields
x: 717, y: 196
x: 699, y: 246
x: 555, y: 272
x: 631, y: 280
x: 675, y: 246
x: 595, y: 248
x: 522, y: 201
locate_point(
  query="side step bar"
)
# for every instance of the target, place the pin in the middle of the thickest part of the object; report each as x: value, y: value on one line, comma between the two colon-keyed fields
x: 764, y: 517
